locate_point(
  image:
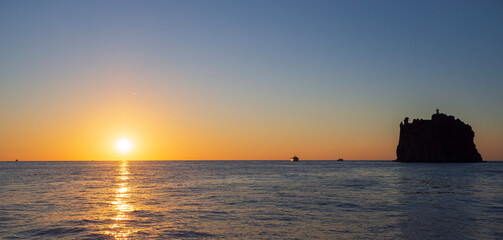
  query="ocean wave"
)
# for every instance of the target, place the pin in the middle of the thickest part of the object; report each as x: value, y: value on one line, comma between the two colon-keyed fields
x: 186, y: 234
x: 96, y: 236
x: 56, y: 231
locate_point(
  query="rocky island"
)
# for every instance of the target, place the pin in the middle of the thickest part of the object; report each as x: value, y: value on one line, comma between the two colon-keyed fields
x: 441, y: 139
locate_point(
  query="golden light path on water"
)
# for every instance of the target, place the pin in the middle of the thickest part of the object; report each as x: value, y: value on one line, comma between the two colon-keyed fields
x: 120, y: 229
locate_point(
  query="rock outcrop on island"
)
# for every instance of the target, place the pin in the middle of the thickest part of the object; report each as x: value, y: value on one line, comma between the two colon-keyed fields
x: 441, y: 139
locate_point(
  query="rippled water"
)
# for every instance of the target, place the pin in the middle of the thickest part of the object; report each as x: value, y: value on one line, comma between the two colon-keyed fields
x: 250, y: 199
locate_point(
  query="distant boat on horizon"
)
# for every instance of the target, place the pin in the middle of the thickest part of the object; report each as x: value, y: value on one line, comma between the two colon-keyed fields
x: 294, y: 159
x: 17, y: 160
x: 340, y: 160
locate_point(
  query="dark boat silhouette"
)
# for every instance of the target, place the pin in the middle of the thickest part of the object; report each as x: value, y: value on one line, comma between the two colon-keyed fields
x: 340, y: 160
x: 294, y: 159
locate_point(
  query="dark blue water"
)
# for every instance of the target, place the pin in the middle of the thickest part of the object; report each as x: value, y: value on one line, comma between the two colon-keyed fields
x: 250, y: 200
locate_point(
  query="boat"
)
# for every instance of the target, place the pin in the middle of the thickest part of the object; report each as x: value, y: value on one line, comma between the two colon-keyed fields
x: 294, y: 159
x: 340, y: 160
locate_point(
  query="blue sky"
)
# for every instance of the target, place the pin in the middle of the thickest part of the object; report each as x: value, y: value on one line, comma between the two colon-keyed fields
x: 353, y: 69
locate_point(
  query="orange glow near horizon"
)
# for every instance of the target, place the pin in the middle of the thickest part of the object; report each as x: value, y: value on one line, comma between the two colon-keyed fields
x: 168, y: 130
x: 165, y: 142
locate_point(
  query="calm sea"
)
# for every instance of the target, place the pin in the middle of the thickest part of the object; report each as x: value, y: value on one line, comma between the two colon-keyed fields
x: 250, y: 200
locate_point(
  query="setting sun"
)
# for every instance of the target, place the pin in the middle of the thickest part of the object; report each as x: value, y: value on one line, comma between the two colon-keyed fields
x: 124, y: 145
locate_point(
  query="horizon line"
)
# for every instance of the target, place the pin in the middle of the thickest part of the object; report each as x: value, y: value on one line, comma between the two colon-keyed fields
x: 108, y: 160
x: 159, y: 160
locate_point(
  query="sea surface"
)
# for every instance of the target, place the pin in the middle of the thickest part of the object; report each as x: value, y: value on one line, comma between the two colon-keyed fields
x: 250, y: 200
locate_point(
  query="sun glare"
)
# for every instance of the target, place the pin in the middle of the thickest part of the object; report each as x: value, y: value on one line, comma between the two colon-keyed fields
x: 124, y: 145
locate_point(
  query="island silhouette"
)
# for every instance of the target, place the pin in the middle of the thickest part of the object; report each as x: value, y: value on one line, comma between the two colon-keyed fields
x: 441, y: 139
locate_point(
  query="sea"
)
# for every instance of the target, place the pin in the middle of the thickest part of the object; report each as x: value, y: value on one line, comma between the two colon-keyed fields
x: 250, y: 200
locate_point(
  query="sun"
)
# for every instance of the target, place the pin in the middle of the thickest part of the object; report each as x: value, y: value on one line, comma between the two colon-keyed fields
x: 123, y: 145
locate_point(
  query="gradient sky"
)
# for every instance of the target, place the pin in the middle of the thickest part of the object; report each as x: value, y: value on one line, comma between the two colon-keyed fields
x: 243, y: 79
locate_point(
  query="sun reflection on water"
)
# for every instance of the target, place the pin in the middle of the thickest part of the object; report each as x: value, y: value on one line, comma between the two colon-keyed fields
x: 120, y: 229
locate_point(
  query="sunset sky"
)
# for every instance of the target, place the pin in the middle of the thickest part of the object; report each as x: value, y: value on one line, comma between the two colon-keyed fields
x: 211, y: 80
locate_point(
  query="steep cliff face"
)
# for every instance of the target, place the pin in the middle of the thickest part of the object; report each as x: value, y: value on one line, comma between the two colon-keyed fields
x: 441, y: 139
